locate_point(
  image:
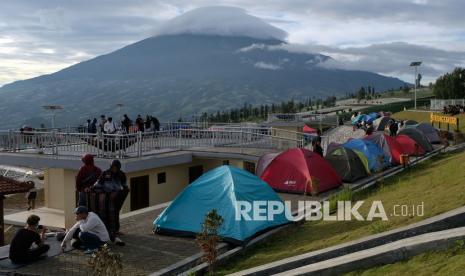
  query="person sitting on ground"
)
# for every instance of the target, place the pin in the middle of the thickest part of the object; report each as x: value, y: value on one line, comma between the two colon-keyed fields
x: 20, y: 247
x: 87, y: 176
x: 89, y: 232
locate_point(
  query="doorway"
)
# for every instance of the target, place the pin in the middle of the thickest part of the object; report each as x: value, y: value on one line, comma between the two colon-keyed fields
x: 195, y: 172
x: 139, y: 192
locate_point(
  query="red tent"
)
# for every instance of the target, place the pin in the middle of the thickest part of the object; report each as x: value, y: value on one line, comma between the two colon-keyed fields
x: 300, y: 171
x: 409, y: 146
x: 388, y: 144
x: 309, y: 130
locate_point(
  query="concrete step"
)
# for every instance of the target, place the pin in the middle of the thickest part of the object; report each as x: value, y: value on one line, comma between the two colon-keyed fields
x: 452, y: 219
x: 382, y: 255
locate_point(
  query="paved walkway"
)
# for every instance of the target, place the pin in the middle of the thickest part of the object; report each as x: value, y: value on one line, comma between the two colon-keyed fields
x: 144, y: 252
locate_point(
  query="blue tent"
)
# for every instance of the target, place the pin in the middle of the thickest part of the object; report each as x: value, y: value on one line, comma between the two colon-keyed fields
x: 377, y: 159
x: 362, y: 118
x: 219, y: 189
x: 374, y: 115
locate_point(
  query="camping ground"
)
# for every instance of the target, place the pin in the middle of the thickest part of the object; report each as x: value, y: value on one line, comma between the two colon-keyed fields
x: 424, y: 117
x: 437, y: 183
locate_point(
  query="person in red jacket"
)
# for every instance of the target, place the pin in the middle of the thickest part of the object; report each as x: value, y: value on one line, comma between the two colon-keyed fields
x: 87, y: 176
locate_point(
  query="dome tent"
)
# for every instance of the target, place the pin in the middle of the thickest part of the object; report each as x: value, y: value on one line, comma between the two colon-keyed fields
x: 377, y: 159
x: 429, y: 131
x: 410, y: 122
x: 381, y: 123
x: 362, y: 118
x: 349, y: 164
x: 300, y: 171
x: 309, y: 130
x: 263, y: 162
x: 418, y: 136
x: 409, y: 146
x: 388, y: 144
x: 374, y: 115
x: 219, y: 189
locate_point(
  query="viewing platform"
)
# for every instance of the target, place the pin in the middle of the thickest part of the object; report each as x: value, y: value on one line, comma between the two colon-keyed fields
x: 59, y: 143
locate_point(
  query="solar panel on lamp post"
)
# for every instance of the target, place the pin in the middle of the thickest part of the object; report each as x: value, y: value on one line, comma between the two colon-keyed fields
x: 415, y: 64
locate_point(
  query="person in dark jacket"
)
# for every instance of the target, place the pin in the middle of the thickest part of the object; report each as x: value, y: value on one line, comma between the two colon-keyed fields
x: 110, y: 192
x: 103, y: 120
x: 140, y: 123
x: 317, y: 148
x: 148, y: 123
x: 92, y: 128
x: 156, y: 123
x: 87, y: 176
x: 393, y: 128
x: 20, y: 246
x: 126, y: 123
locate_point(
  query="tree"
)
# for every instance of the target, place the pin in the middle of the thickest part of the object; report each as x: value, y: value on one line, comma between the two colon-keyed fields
x: 208, y: 238
x: 451, y: 85
x: 361, y: 94
x: 406, y: 89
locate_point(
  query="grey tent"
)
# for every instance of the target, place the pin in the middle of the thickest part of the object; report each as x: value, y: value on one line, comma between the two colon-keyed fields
x: 347, y: 163
x: 381, y: 123
x: 410, y: 122
x: 332, y: 146
x: 418, y: 137
x: 429, y: 131
x: 263, y: 162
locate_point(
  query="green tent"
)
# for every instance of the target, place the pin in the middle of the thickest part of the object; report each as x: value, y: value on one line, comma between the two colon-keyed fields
x: 349, y: 164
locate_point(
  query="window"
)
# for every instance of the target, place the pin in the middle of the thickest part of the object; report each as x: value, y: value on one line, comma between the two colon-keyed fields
x: 226, y: 162
x: 249, y: 166
x: 161, y: 177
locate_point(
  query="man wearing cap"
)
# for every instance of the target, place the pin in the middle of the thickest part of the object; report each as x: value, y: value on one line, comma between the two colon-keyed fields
x: 88, y: 233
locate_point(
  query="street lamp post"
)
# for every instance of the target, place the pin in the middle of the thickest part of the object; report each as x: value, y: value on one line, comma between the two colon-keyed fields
x: 53, y: 109
x: 415, y: 64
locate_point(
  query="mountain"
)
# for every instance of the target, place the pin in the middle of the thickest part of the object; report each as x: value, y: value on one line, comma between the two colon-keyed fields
x: 180, y: 73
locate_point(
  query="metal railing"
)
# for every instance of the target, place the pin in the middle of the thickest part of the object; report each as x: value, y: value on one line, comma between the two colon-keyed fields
x: 139, y: 144
x: 304, y: 117
x: 439, y: 104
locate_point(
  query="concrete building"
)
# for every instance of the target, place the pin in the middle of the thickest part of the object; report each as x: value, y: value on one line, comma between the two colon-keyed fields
x: 158, y: 167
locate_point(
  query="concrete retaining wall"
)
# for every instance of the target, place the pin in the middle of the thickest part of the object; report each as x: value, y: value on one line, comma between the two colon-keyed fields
x: 382, y: 255
x: 451, y: 219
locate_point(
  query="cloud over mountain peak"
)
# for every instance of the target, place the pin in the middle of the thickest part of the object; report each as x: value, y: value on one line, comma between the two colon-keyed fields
x: 220, y: 20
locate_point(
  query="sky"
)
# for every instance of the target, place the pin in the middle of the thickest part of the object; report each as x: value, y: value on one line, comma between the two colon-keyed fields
x: 43, y: 36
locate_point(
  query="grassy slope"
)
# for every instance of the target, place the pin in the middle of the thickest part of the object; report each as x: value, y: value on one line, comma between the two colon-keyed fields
x: 424, y: 117
x: 447, y: 262
x: 439, y: 183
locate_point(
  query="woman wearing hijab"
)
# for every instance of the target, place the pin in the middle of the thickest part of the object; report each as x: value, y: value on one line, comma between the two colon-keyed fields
x: 87, y: 176
x: 108, y: 197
